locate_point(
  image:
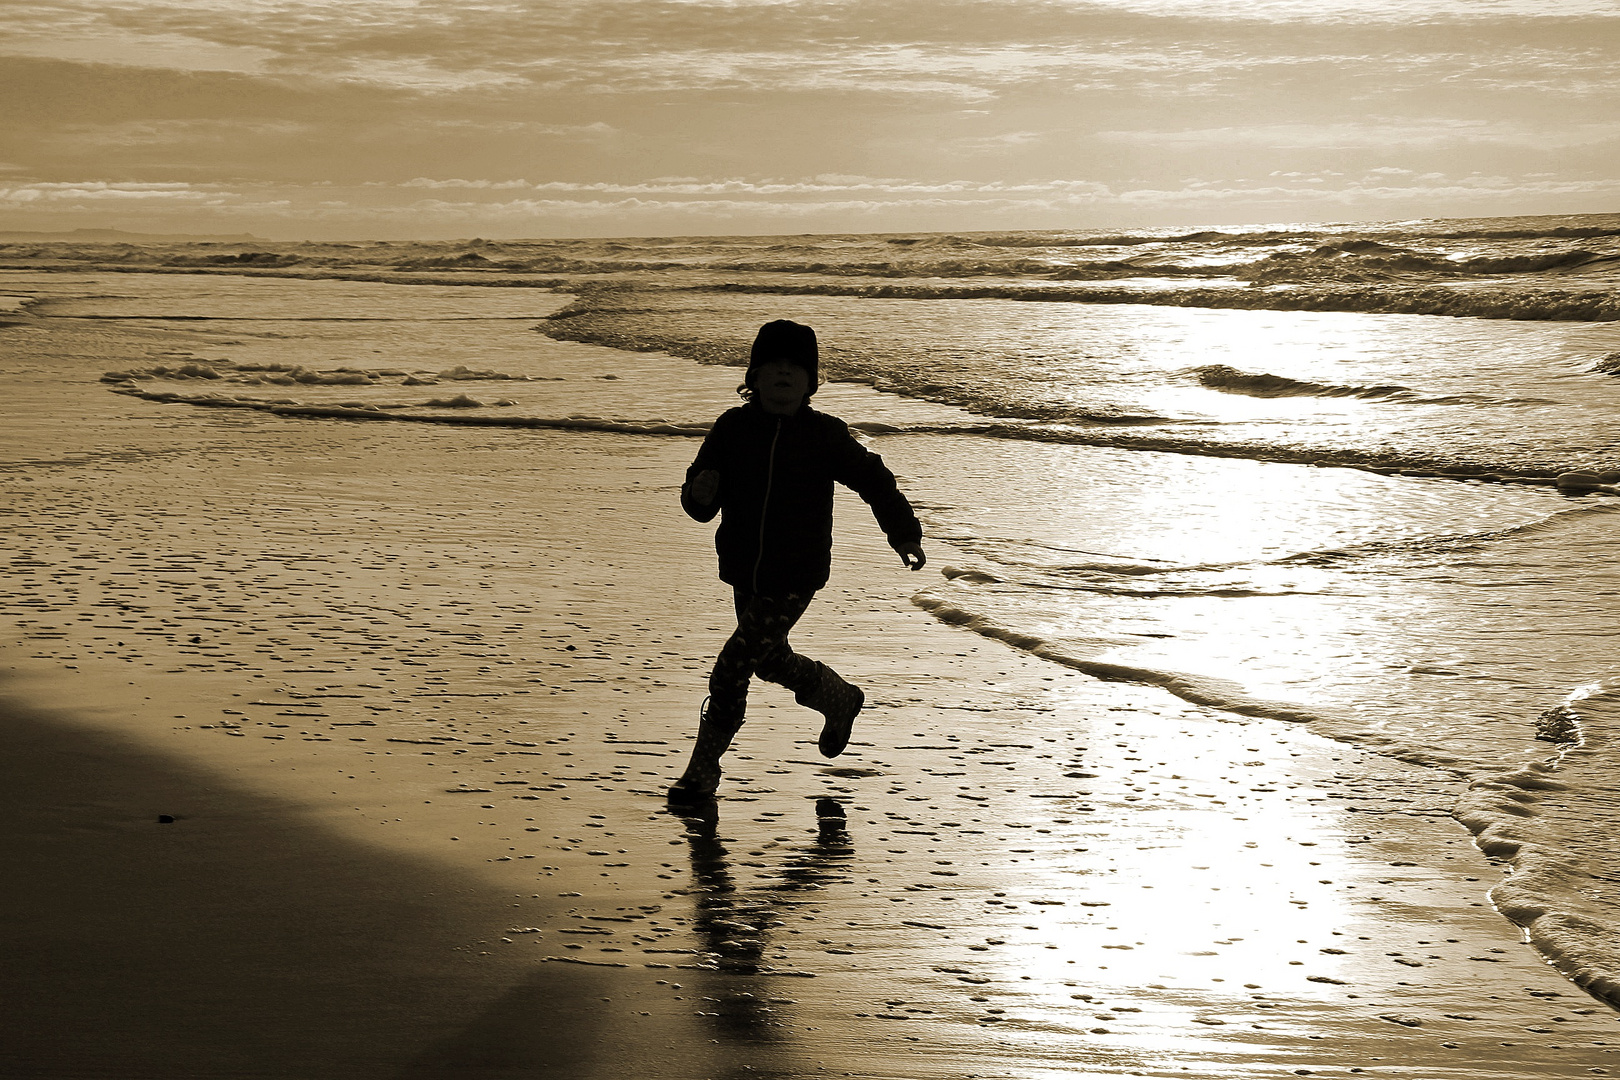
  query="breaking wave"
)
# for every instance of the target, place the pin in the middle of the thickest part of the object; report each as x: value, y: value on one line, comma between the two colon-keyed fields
x: 364, y: 411
x: 1511, y: 268
x: 1590, y: 305
x: 1223, y: 694
x: 1527, y: 816
x: 1032, y: 422
x: 1231, y: 380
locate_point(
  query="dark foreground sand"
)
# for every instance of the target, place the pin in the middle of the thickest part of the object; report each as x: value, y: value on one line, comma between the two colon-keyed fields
x: 411, y: 698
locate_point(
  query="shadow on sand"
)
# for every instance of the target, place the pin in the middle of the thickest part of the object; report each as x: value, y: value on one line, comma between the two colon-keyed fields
x: 241, y: 938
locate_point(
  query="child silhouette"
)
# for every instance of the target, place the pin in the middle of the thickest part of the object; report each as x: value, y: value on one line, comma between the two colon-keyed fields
x: 767, y: 468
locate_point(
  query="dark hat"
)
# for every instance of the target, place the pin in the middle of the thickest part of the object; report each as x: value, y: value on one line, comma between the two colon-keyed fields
x: 785, y: 340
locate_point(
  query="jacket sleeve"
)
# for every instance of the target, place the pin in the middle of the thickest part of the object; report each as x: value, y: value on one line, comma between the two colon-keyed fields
x: 863, y: 472
x: 709, y: 456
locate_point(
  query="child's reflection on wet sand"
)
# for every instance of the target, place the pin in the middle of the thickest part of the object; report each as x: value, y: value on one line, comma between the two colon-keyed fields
x: 733, y: 926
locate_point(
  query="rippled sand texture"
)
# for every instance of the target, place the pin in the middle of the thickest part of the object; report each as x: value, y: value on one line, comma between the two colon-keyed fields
x: 411, y: 696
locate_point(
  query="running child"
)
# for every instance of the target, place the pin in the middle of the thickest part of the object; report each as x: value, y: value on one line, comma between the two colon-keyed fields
x: 767, y: 468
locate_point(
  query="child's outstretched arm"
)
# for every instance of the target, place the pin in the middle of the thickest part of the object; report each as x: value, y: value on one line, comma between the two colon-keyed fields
x: 863, y: 472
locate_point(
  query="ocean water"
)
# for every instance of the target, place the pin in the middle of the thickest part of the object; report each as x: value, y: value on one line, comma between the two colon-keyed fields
x: 1359, y: 477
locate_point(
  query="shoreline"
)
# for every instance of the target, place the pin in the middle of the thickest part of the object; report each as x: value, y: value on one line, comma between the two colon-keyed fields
x: 366, y: 662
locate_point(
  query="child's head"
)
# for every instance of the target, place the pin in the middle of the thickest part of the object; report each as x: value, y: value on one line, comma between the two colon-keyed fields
x: 783, y: 340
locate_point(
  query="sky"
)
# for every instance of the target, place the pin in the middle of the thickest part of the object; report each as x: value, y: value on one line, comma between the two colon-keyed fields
x: 446, y: 119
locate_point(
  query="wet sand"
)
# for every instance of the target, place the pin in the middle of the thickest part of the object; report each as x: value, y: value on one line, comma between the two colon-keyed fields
x: 411, y: 698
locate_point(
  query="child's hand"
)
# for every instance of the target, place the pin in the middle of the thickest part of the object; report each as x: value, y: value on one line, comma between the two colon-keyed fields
x: 912, y: 555
x: 705, y: 486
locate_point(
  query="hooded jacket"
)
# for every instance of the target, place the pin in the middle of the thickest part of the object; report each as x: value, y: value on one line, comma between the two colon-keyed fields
x: 776, y: 496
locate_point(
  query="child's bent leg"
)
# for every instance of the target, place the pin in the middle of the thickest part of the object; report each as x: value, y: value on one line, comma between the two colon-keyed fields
x: 839, y: 702
x: 759, y: 641
x: 759, y: 646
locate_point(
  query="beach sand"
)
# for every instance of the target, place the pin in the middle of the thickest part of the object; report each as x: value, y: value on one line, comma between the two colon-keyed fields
x: 338, y: 750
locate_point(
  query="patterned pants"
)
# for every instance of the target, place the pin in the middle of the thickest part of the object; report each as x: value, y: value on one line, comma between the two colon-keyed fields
x: 759, y: 646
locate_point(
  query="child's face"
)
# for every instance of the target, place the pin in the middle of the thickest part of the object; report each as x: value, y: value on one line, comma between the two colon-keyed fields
x: 780, y: 386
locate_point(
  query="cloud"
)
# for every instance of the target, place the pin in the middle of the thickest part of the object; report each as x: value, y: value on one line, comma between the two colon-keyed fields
x: 362, y: 113
x: 161, y: 134
x: 1381, y: 188
x: 491, y: 205
x: 30, y: 195
x: 998, y: 143
x: 47, y: 93
x: 689, y: 205
x: 494, y: 126
x: 467, y: 185
x: 1381, y: 11
x: 962, y: 49
x: 698, y: 192
x: 1432, y: 133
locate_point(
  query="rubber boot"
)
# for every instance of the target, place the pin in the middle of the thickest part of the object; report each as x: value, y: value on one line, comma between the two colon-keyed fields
x: 839, y: 702
x: 702, y: 775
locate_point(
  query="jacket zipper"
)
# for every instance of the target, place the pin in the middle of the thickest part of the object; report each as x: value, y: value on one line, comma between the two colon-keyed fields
x: 765, y: 504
